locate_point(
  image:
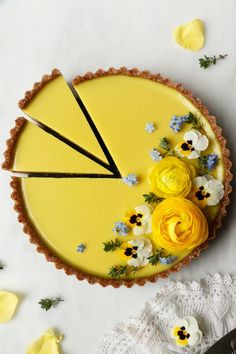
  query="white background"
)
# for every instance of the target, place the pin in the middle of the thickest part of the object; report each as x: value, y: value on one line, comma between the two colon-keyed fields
x: 77, y: 36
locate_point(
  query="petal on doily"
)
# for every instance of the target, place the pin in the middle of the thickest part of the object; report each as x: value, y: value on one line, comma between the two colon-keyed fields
x: 195, y: 337
x: 192, y: 322
x: 182, y: 323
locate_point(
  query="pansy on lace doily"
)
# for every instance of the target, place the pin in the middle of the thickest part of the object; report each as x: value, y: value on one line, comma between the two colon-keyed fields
x: 211, y: 302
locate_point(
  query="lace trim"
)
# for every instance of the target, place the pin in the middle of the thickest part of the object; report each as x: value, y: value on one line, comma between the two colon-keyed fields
x: 211, y: 302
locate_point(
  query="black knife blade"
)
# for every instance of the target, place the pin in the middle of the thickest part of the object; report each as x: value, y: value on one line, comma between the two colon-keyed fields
x: 226, y: 345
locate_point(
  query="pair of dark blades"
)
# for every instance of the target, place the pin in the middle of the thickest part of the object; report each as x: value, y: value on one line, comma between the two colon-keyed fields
x: 226, y: 345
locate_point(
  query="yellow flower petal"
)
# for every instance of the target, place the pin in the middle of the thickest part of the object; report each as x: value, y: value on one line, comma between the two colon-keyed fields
x: 47, y: 344
x: 170, y: 177
x: 175, y: 331
x: 181, y: 342
x: 127, y: 217
x: 8, y: 303
x: 190, y: 35
x: 178, y: 224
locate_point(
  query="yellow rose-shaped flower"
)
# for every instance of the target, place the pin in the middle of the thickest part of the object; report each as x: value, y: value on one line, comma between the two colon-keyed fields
x: 178, y: 225
x: 171, y: 177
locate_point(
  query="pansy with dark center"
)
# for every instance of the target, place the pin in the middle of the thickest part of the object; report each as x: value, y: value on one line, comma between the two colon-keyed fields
x: 136, y: 219
x: 131, y: 252
x: 188, y: 146
x: 201, y: 194
x: 182, y: 333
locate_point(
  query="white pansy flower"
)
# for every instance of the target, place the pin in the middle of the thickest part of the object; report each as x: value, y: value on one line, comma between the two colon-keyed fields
x: 192, y: 146
x: 207, y: 191
x: 137, y: 251
x: 186, y: 332
x: 139, y: 220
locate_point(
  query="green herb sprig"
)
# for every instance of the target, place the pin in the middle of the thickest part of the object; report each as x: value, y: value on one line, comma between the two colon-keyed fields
x: 154, y: 259
x: 164, y: 144
x: 208, y: 61
x: 192, y: 119
x: 117, y: 271
x: 47, y: 303
x: 1, y: 265
x: 152, y: 198
x: 111, y: 246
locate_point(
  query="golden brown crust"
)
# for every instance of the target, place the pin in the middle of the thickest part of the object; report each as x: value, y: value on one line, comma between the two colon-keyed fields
x: 34, y: 238
x: 37, y: 86
x: 11, y: 143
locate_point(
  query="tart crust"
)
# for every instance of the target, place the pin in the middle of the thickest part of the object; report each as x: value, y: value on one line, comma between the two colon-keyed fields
x: 32, y: 233
x: 11, y: 143
x: 37, y: 87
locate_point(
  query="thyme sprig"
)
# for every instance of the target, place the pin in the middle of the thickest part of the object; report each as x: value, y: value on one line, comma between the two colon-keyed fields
x: 111, y: 246
x: 47, y: 303
x: 152, y: 198
x: 164, y: 144
x: 208, y: 61
x: 192, y: 119
x: 117, y: 271
x: 1, y: 265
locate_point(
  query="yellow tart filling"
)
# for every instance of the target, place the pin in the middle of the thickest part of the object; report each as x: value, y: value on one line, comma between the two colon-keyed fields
x: 39, y: 151
x: 55, y: 106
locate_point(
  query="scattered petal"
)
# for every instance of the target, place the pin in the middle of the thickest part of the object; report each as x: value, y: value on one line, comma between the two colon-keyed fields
x: 190, y: 35
x: 48, y: 343
x: 8, y: 304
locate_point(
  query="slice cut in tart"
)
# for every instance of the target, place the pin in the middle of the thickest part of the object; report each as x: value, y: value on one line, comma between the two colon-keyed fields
x: 52, y: 103
x: 168, y: 192
x: 33, y: 150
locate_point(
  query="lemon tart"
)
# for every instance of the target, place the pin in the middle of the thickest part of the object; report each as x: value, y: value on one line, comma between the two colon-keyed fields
x: 106, y: 169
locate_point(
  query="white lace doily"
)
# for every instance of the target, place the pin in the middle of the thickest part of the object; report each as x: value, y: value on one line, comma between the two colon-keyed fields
x: 211, y: 302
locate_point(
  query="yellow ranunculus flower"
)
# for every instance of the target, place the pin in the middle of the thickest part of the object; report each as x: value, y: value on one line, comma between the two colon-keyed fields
x: 171, y: 177
x: 178, y: 225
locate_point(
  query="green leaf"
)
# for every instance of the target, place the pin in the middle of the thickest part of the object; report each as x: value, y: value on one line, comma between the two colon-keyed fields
x: 208, y: 61
x: 154, y: 259
x: 111, y: 246
x: 48, y: 303
x: 1, y: 265
x: 192, y: 119
x: 152, y: 198
x: 164, y: 144
x: 117, y: 271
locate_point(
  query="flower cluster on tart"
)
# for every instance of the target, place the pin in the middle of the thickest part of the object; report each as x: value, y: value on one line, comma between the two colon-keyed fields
x: 140, y: 183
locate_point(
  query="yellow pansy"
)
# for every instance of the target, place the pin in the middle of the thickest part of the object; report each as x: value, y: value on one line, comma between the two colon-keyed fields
x: 178, y: 225
x: 8, y: 303
x: 171, y: 177
x: 47, y: 343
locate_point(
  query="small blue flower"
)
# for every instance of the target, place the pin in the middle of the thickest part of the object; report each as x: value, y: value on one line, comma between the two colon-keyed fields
x: 155, y: 155
x: 81, y: 247
x: 150, y: 127
x: 167, y: 260
x: 177, y: 122
x: 211, y: 161
x: 120, y: 228
x: 131, y: 179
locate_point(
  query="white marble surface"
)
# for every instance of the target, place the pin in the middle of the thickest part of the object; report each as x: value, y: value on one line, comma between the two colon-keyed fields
x: 77, y: 36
